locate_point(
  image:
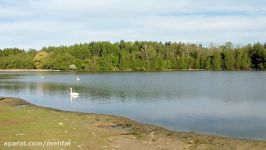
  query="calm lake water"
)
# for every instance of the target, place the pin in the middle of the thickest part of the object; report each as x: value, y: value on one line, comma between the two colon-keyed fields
x: 221, y: 103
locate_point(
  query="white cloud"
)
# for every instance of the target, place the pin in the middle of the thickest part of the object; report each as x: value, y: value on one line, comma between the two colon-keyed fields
x: 37, y: 23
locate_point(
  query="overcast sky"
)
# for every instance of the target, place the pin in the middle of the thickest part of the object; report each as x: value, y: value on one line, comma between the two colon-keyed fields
x: 38, y: 23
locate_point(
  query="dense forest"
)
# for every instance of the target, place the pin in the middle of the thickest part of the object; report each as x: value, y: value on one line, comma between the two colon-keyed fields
x: 137, y: 56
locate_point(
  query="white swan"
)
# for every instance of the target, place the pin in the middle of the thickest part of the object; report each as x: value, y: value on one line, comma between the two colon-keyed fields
x: 78, y: 78
x: 74, y: 94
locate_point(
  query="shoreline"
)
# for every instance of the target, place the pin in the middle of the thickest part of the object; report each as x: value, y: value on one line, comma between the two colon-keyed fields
x: 129, y: 70
x: 114, y: 71
x: 28, y: 70
x: 135, y: 132
x: 135, y: 121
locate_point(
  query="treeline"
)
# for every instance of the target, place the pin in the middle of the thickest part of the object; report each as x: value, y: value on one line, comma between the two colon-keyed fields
x: 137, y: 56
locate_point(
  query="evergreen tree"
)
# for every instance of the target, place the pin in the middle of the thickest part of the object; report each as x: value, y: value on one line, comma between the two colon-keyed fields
x: 217, y: 61
x: 229, y: 60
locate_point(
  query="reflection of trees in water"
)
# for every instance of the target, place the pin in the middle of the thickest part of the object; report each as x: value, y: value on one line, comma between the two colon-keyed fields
x: 32, y: 87
x: 106, y: 94
x: 109, y: 94
x: 52, y: 88
x: 4, y: 76
x: 16, y: 87
x: 149, y: 91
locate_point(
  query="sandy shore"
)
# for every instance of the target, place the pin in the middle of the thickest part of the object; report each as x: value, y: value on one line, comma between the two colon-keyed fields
x: 23, y: 122
x: 27, y: 70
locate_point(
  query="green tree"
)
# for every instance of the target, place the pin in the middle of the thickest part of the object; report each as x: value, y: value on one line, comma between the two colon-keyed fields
x: 39, y: 59
x: 208, y: 65
x: 198, y: 60
x: 229, y: 60
x: 258, y: 56
x: 59, y: 61
x: 181, y: 62
x: 217, y: 60
x: 138, y: 55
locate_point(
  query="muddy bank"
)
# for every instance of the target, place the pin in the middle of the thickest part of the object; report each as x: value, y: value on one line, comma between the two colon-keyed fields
x: 22, y: 121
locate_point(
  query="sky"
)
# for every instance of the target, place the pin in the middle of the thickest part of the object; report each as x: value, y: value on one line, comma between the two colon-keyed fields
x: 38, y: 23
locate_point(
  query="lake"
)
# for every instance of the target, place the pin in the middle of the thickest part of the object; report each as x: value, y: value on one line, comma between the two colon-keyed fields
x: 230, y: 104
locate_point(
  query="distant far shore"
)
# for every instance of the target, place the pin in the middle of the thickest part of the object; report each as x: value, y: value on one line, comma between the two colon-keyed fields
x: 128, y: 70
x: 31, y: 70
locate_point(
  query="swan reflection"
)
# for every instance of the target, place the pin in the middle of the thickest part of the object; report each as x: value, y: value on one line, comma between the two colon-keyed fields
x: 72, y: 97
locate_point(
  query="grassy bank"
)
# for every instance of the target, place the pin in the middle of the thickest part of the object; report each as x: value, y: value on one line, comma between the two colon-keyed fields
x: 21, y: 121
